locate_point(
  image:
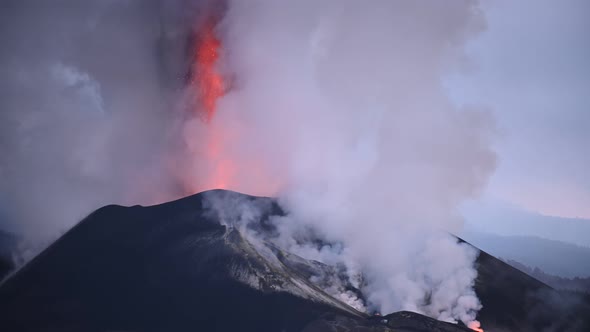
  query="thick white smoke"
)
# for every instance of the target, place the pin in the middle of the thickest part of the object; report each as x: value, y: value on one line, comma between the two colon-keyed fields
x: 343, y: 102
x: 337, y: 106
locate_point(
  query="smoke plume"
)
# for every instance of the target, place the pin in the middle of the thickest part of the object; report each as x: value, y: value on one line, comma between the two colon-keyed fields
x: 339, y: 108
x: 336, y: 107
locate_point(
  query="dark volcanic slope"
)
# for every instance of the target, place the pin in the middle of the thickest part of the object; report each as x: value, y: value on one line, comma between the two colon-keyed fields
x: 515, y: 301
x: 171, y: 267
x: 7, y: 248
x: 174, y: 267
x: 164, y: 268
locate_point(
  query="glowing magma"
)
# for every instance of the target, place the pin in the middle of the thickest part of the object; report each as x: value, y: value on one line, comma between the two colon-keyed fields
x: 208, y: 86
x: 475, y: 325
x: 214, y: 165
x: 206, y: 79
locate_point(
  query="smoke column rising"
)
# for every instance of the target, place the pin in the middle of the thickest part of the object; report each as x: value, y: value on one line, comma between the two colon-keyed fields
x: 339, y: 108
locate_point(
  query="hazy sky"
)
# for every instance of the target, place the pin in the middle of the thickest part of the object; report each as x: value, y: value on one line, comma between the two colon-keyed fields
x: 530, y: 67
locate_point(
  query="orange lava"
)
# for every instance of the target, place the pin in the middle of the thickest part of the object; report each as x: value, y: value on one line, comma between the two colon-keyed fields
x: 475, y: 326
x: 208, y: 86
x: 207, y: 80
x: 215, y: 163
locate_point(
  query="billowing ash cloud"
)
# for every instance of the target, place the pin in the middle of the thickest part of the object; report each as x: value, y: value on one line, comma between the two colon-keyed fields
x: 337, y: 107
x: 340, y: 106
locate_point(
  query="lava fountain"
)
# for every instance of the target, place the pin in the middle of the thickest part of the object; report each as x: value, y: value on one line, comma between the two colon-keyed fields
x: 206, y: 87
x: 211, y: 134
x: 206, y: 79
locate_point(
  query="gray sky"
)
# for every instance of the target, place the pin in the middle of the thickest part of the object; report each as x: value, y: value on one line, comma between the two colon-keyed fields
x: 530, y: 67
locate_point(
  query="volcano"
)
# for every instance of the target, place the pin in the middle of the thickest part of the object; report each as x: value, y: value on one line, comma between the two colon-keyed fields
x: 180, y: 266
